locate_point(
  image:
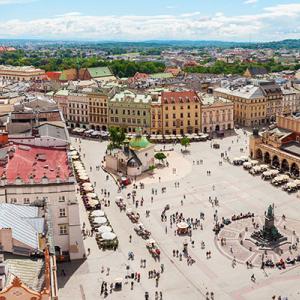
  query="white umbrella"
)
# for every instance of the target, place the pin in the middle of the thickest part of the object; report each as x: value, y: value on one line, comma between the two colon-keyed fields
x: 100, y: 220
x: 83, y: 177
x: 74, y: 157
x: 104, y: 228
x: 97, y: 213
x: 93, y: 202
x: 108, y: 236
x: 182, y: 225
x: 88, y: 189
x: 87, y: 184
x: 91, y: 195
x: 74, y: 152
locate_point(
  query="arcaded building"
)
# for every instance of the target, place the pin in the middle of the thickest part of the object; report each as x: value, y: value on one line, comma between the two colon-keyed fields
x: 280, y: 146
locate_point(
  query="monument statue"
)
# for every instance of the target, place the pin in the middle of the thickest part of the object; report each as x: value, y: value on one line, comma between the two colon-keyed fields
x: 269, y: 236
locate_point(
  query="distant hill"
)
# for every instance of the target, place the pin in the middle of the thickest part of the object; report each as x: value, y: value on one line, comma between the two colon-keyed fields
x: 288, y: 44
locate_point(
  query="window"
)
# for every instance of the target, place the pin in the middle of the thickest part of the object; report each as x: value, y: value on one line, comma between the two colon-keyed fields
x: 13, y: 200
x: 63, y: 230
x: 61, y: 198
x: 26, y: 201
x: 62, y: 212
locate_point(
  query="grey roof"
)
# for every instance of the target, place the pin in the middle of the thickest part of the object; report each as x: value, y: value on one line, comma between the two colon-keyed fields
x: 257, y: 70
x: 292, y: 148
x: 53, y: 131
x: 15, y: 217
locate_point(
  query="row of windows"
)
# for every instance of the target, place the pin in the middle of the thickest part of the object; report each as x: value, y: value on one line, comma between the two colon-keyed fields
x: 129, y: 120
x: 181, y: 107
x: 98, y: 111
x: 77, y: 105
x: 96, y: 119
x: 181, y: 115
x: 180, y: 123
x: 129, y: 112
x: 98, y: 104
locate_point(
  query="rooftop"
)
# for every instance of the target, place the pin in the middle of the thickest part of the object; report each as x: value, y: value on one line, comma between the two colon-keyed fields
x: 36, y: 162
x: 20, y: 69
x: 24, y: 222
x: 131, y: 96
x: 179, y: 97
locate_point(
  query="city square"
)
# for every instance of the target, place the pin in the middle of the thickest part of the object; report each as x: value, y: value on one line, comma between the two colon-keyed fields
x: 187, y: 187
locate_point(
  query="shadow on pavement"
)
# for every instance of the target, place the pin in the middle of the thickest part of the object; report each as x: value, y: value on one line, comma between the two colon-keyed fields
x: 66, y: 269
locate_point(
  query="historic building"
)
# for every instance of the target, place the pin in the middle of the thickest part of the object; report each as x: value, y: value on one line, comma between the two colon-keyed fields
x: 130, y: 110
x: 78, y: 110
x: 98, y: 111
x: 279, y: 146
x: 26, y: 73
x: 217, y: 113
x: 43, y: 176
x: 136, y: 157
x: 180, y: 112
x: 254, y: 105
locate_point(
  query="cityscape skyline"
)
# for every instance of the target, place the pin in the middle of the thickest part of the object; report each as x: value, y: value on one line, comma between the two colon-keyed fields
x: 248, y: 21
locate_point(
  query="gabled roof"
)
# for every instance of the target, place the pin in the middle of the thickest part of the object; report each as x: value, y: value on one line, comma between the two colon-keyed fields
x: 68, y: 75
x: 254, y: 71
x: 100, y: 72
x: 53, y: 75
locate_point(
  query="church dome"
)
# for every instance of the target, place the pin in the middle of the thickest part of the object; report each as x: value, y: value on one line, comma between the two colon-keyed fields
x: 139, y: 142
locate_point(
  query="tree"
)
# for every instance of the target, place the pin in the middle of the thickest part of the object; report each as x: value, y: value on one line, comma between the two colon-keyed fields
x: 160, y: 156
x: 117, y: 136
x: 185, y: 142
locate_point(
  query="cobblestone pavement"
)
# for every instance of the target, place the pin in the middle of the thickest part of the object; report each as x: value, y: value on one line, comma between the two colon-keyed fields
x: 237, y: 192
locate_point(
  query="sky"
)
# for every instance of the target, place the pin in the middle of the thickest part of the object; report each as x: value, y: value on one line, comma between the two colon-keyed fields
x: 133, y: 20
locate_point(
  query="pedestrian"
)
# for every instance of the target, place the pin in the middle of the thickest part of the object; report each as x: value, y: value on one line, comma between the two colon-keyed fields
x: 131, y: 285
x: 130, y: 237
x: 162, y: 268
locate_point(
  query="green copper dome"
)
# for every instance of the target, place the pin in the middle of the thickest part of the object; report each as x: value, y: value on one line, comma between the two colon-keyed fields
x: 139, y: 142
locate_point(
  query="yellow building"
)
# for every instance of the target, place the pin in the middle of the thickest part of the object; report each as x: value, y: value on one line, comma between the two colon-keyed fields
x: 254, y: 104
x: 250, y: 107
x: 98, y: 111
x: 180, y: 112
x: 156, y: 117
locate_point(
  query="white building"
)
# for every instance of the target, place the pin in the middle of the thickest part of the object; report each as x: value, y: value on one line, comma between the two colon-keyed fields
x: 43, y: 176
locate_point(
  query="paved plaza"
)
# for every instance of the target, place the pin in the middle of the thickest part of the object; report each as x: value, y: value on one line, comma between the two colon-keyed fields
x: 237, y: 192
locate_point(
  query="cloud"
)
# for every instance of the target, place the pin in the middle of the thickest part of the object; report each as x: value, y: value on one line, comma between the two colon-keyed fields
x: 271, y: 23
x: 250, y: 1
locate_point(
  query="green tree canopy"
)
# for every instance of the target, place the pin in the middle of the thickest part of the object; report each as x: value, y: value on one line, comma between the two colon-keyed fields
x: 160, y: 156
x: 185, y: 142
x: 117, y: 136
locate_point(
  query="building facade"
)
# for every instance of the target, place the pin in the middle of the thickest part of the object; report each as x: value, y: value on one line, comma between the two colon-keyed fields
x: 43, y: 176
x: 217, y: 114
x: 26, y: 73
x: 181, y: 112
x: 78, y: 110
x: 279, y: 147
x: 129, y: 111
x: 98, y: 113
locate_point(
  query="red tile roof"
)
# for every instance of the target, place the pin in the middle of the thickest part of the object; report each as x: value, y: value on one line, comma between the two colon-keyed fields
x: 179, y: 97
x: 36, y: 161
x: 53, y: 75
